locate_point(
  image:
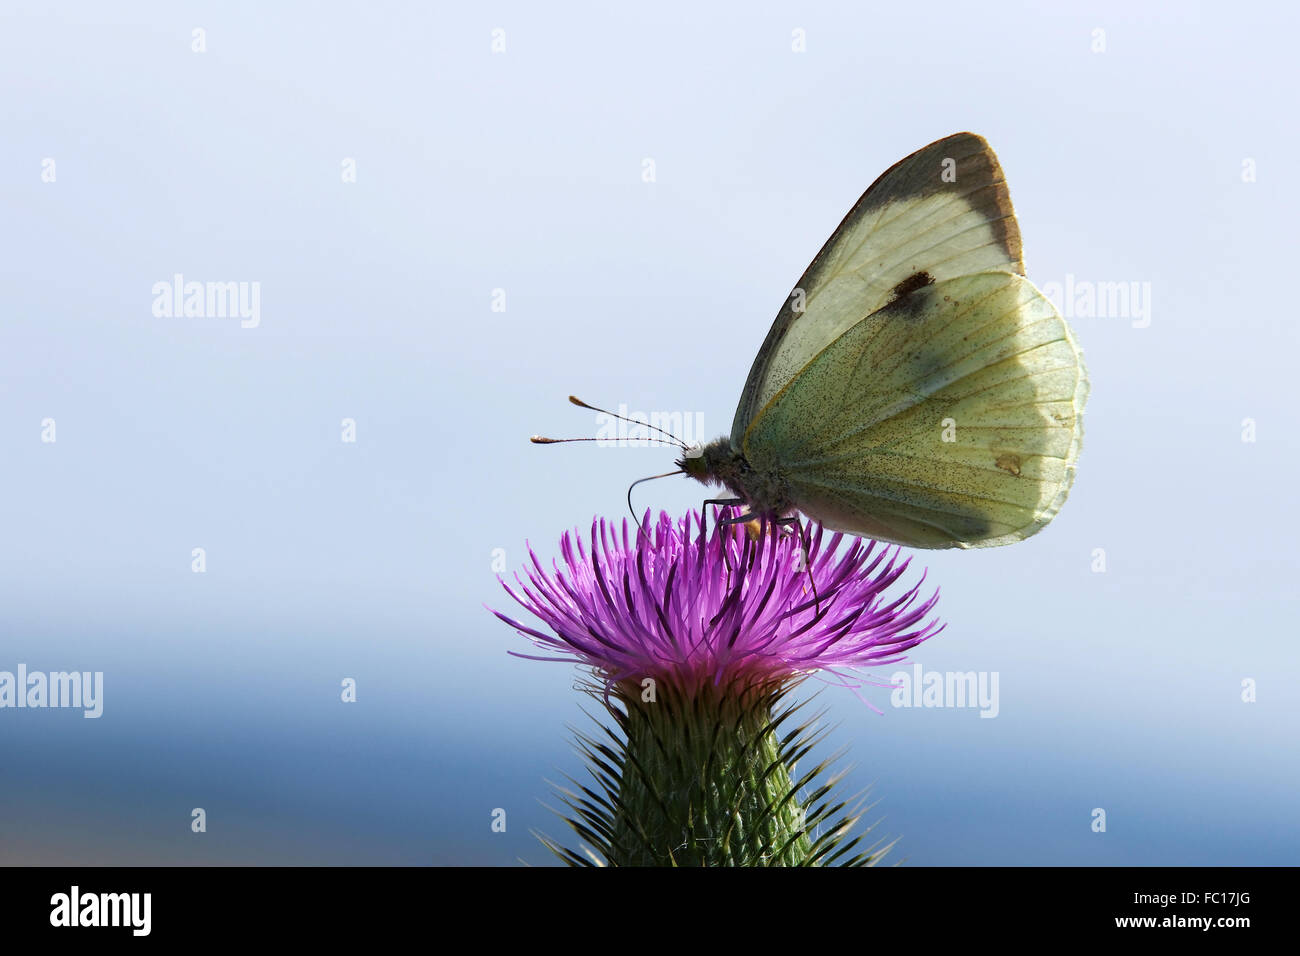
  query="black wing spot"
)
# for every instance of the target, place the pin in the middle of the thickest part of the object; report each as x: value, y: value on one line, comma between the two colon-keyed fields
x: 917, y: 280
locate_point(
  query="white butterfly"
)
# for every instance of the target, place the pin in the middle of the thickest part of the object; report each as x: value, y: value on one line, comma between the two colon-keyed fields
x: 915, y: 387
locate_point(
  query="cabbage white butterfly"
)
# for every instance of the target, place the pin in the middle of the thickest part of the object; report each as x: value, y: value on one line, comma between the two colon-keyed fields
x: 915, y: 386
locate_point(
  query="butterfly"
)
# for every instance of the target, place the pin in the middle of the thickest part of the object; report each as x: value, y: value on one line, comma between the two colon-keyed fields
x: 915, y: 387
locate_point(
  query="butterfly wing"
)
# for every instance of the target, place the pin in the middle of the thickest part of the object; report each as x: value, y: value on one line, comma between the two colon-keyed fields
x: 942, y: 212
x: 949, y: 418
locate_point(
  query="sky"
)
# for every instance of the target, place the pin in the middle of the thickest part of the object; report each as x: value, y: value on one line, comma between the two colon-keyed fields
x: 445, y: 219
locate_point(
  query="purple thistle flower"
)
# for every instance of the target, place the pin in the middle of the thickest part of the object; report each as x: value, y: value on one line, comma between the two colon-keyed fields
x: 726, y: 610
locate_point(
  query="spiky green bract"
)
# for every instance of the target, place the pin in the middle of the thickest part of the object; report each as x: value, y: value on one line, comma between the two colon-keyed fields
x: 708, y: 778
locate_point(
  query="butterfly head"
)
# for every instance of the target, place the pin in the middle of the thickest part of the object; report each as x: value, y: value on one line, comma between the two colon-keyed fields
x: 713, y: 464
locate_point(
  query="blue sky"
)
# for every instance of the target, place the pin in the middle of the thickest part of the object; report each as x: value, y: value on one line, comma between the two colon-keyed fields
x: 522, y: 171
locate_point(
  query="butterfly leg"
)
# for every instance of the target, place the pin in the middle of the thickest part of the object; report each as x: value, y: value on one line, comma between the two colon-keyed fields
x: 733, y: 520
x: 704, y: 511
x: 793, y: 520
x: 722, y: 522
x: 737, y: 519
x: 721, y: 501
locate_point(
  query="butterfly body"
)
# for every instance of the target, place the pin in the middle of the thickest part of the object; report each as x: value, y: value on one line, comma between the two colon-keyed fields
x: 763, y: 489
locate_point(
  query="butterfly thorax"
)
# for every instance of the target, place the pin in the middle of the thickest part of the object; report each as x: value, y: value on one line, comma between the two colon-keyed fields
x: 718, y: 463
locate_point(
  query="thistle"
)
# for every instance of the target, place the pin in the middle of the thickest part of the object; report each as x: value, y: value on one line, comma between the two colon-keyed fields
x: 694, y: 642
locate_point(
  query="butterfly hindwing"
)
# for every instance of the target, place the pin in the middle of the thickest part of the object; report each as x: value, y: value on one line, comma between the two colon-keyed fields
x: 949, y: 418
x: 940, y: 213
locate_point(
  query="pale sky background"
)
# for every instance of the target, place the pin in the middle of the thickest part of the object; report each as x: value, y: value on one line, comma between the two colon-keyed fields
x: 522, y: 171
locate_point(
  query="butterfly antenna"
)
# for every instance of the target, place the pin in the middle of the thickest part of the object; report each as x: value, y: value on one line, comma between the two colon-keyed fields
x: 541, y: 440
x: 630, y: 509
x: 631, y: 421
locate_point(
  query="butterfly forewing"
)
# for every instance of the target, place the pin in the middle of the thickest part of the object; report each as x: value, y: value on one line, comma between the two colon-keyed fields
x: 940, y: 213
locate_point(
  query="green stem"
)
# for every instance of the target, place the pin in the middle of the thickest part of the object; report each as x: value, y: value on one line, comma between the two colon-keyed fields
x: 706, y: 782
x: 706, y: 776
